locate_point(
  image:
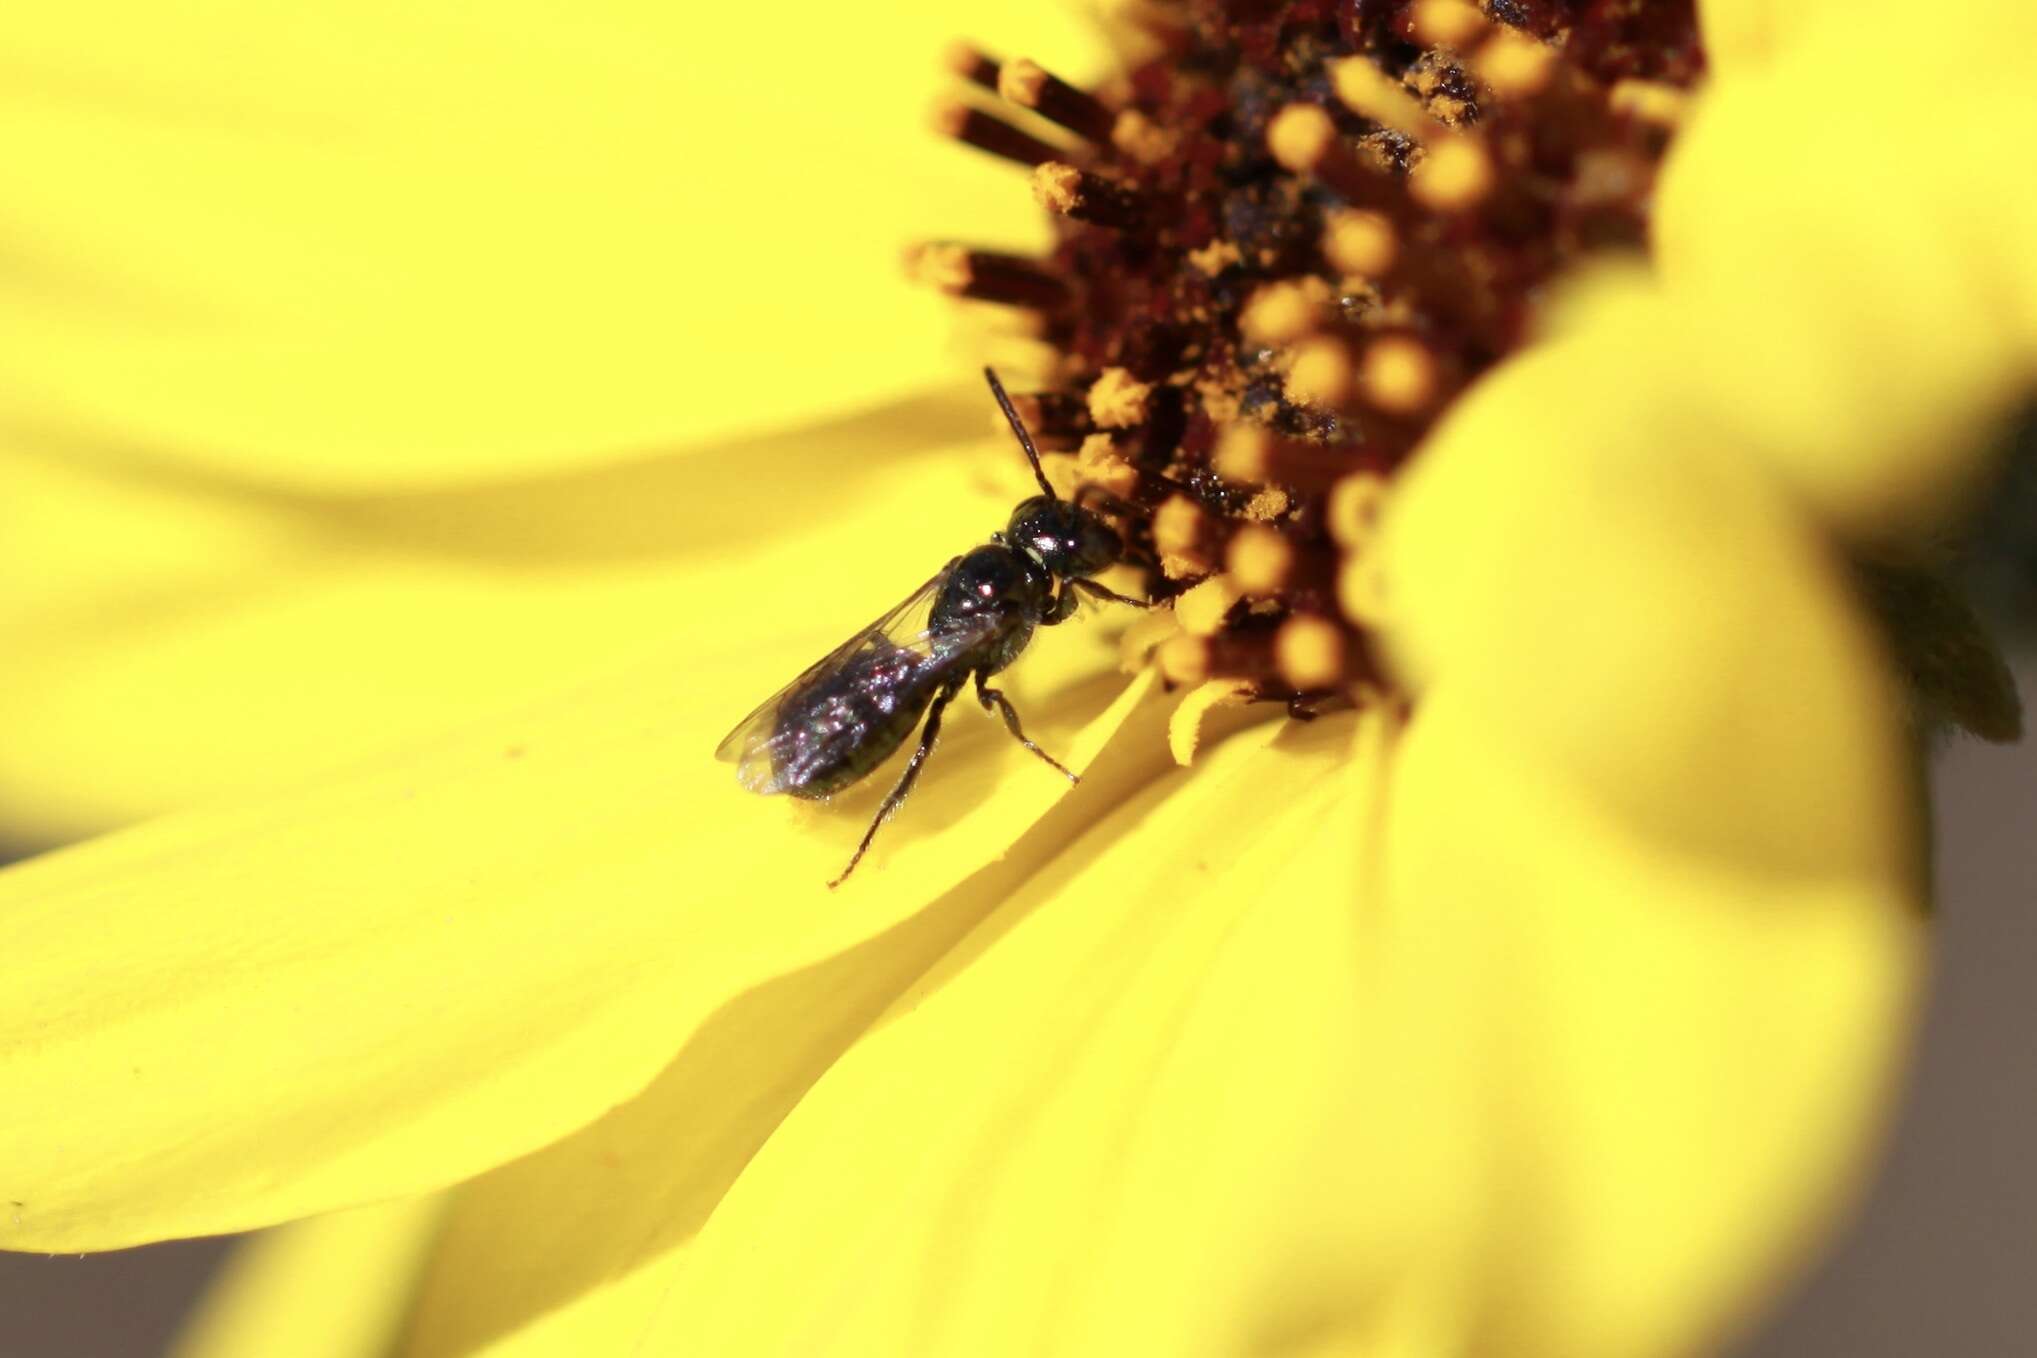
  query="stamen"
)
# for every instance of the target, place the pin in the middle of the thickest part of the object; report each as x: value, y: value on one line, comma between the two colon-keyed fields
x: 1304, y: 139
x: 1283, y: 312
x: 1251, y: 455
x: 1309, y: 652
x: 1456, y: 175
x: 1514, y: 66
x: 1324, y: 375
x: 1186, y: 537
x: 1086, y: 197
x: 974, y: 127
x: 1260, y: 560
x: 1401, y: 376
x: 1184, y: 728
x: 1449, y: 24
x: 1366, y: 89
x: 1203, y: 610
x: 985, y: 275
x: 1361, y: 243
x: 1354, y: 507
x: 1026, y: 84
x: 970, y: 63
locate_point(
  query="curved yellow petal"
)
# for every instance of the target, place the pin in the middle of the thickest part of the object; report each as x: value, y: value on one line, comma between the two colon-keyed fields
x: 396, y: 978
x: 336, y: 1286
x: 420, y: 244
x: 1583, y: 553
x: 1096, y: 1125
x: 1855, y: 296
x: 169, y: 642
x: 1675, y: 1064
x: 1650, y: 926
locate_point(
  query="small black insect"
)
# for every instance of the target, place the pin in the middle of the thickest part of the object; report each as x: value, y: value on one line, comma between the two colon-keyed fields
x: 854, y: 707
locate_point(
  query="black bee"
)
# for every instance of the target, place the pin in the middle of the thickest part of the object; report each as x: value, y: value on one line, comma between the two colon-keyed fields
x: 854, y: 707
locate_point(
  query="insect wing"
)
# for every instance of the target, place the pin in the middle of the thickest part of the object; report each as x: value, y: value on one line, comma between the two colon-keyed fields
x: 760, y: 748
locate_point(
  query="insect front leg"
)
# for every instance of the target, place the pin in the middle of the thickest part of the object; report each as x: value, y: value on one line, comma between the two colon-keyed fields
x: 1101, y: 593
x: 990, y: 698
x: 896, y: 797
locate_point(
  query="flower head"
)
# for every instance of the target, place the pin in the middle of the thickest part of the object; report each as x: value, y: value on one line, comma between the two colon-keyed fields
x: 1547, y: 1007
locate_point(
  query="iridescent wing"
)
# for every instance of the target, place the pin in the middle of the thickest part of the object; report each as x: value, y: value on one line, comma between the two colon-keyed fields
x: 760, y: 748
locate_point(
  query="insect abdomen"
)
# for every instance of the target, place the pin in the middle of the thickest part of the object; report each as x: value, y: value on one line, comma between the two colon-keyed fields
x: 847, y: 723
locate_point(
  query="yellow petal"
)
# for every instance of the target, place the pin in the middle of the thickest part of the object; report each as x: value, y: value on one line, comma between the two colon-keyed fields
x: 1855, y: 296
x: 387, y: 981
x: 1650, y: 938
x: 1585, y: 556
x: 1668, y: 1067
x: 1743, y: 34
x: 170, y: 643
x: 1097, y: 1124
x: 335, y: 1286
x: 425, y: 243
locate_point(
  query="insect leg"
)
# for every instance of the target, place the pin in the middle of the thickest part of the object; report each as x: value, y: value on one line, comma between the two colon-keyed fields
x: 991, y: 697
x: 1103, y: 593
x: 894, y: 798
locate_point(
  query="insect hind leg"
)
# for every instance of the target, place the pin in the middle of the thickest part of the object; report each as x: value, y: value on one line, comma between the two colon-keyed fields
x: 896, y: 797
x: 992, y: 698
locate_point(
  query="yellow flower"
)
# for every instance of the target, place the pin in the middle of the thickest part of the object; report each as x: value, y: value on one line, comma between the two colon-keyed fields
x: 1553, y: 1019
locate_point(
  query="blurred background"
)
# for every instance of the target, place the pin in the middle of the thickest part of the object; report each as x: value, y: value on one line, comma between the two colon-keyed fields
x: 1937, y: 1261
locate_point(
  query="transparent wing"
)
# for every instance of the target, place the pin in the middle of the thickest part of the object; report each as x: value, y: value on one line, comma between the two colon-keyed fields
x: 757, y: 745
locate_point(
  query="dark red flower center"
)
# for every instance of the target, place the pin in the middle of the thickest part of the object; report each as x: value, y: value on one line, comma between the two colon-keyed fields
x: 1287, y: 236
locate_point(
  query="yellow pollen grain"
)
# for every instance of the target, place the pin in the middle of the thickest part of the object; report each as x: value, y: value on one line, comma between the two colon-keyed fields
x: 1117, y: 400
x: 1184, y: 727
x: 1364, y: 88
x: 1309, y: 653
x: 1222, y: 395
x: 1323, y: 375
x: 1142, y: 139
x: 1021, y: 81
x: 1359, y: 242
x: 1281, y: 313
x: 1152, y: 630
x: 1300, y: 136
x: 1352, y: 514
x: 1399, y: 375
x: 1098, y: 462
x: 1260, y: 560
x: 1244, y: 455
x: 1361, y: 590
x: 1214, y: 258
x: 1513, y: 65
x: 1202, y: 609
x: 1649, y: 101
x: 1058, y: 187
x: 1447, y: 23
x: 1183, y: 659
x: 1268, y: 505
x: 1456, y: 174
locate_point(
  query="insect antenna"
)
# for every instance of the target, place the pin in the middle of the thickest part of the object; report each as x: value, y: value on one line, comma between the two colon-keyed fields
x: 1018, y: 427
